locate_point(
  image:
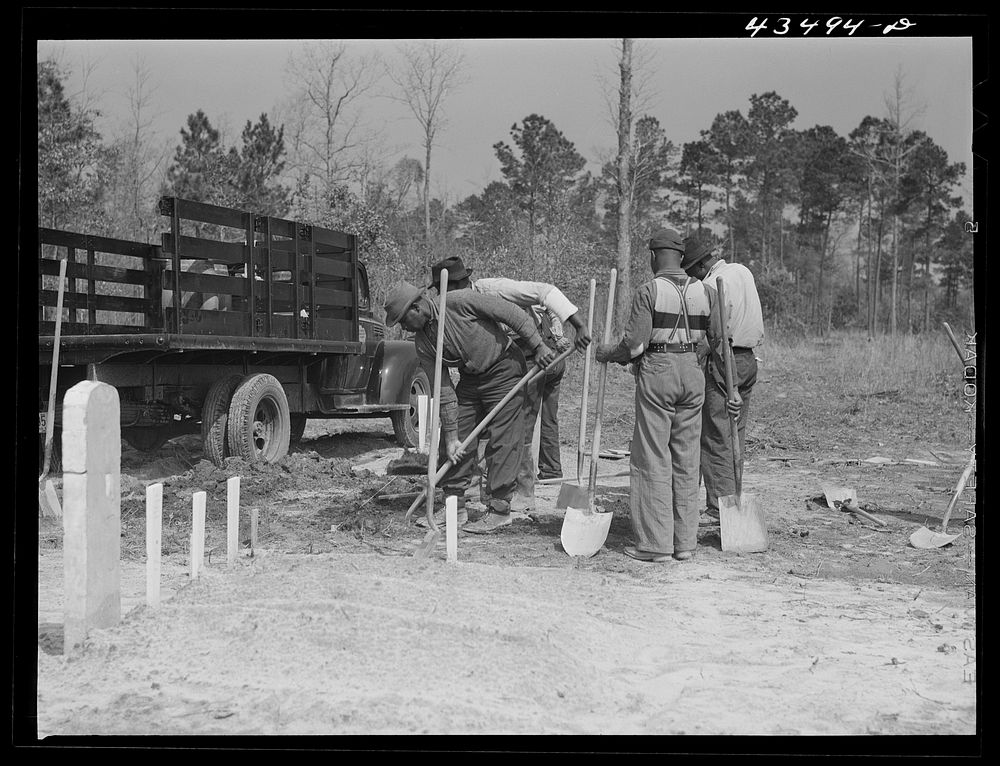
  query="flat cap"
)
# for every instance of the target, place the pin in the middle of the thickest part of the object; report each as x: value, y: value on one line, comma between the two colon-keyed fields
x: 666, y: 239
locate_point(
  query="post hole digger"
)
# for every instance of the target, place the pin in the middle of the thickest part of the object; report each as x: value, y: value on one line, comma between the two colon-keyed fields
x: 741, y: 518
x: 584, y: 530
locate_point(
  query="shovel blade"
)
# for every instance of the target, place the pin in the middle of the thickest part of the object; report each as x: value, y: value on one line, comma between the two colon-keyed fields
x: 741, y: 524
x: 836, y: 495
x: 584, y: 532
x: 428, y: 544
x: 573, y: 496
x: 926, y: 539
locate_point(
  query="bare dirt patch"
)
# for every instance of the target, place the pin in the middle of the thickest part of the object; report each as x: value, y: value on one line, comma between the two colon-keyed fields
x: 333, y: 627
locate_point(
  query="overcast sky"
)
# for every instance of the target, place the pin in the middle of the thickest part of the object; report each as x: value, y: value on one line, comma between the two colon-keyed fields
x: 830, y: 81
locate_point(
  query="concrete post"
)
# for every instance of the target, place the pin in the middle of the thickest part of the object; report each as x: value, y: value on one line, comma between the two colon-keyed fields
x: 91, y: 442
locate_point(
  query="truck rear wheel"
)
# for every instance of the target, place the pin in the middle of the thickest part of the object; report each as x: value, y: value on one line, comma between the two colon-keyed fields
x: 406, y: 422
x: 215, y: 417
x: 259, y: 424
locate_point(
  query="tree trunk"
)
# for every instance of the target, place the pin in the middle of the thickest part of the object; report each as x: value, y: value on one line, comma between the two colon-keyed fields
x: 895, y: 271
x: 624, y: 187
x: 427, y: 195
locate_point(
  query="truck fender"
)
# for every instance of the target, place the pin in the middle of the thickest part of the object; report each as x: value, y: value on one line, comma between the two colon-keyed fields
x: 396, y: 361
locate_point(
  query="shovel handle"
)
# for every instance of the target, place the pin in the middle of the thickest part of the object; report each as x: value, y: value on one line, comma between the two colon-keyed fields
x: 959, y: 488
x: 471, y: 438
x: 53, y: 376
x: 727, y: 360
x: 595, y: 448
x: 586, y: 388
x: 864, y: 514
x: 954, y: 342
x: 432, y: 455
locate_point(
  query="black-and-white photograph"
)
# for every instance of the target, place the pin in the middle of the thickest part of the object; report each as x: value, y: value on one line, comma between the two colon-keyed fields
x: 506, y: 376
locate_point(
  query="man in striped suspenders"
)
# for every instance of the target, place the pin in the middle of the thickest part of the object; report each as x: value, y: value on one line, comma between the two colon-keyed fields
x: 671, y: 314
x: 746, y: 329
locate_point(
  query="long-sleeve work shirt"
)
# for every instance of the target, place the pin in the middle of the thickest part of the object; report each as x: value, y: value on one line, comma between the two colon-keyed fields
x: 746, y: 322
x: 473, y: 340
x: 547, y: 304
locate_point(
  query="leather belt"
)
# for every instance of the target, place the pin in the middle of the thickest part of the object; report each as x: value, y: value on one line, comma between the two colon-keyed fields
x: 743, y: 348
x: 675, y: 348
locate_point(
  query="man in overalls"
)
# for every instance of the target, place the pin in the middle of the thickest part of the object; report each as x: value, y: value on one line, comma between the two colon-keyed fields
x: 671, y: 314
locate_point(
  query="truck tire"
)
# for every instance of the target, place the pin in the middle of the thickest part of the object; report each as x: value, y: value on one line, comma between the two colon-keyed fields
x: 405, y: 422
x: 259, y: 424
x: 215, y: 417
x: 298, y: 427
x: 145, y: 438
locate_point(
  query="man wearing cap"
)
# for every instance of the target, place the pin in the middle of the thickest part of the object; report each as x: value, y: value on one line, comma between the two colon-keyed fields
x: 746, y: 331
x: 549, y: 308
x: 489, y: 366
x: 671, y: 314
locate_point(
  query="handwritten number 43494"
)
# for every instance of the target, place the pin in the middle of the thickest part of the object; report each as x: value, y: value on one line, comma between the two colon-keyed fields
x: 785, y: 24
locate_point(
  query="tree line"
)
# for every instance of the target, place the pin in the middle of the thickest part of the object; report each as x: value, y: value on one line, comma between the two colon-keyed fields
x: 864, y: 230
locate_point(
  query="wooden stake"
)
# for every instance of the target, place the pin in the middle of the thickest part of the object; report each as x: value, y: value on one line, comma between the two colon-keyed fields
x: 197, y: 532
x: 232, y: 519
x: 154, y: 536
x: 422, y: 422
x: 254, y: 513
x: 451, y: 526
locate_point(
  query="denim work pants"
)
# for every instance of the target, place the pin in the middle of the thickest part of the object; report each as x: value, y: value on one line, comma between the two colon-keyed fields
x: 716, y: 437
x: 669, y: 392
x: 541, y: 396
x: 477, y: 395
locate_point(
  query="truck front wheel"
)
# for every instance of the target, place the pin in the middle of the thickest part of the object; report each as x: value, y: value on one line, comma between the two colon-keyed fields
x: 259, y: 424
x: 406, y: 422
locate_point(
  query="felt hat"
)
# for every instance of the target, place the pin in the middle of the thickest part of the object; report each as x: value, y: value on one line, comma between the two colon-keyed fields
x: 456, y: 270
x: 695, y: 251
x: 399, y: 300
x: 666, y: 239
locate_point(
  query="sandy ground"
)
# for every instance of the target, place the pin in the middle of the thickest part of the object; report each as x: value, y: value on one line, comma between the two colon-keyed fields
x: 334, y: 627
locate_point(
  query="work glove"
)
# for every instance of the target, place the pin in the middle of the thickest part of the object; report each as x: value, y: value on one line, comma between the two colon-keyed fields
x: 563, y: 344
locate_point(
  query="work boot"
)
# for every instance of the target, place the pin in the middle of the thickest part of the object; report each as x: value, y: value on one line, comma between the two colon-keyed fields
x: 440, y: 518
x: 488, y: 523
x: 709, y: 518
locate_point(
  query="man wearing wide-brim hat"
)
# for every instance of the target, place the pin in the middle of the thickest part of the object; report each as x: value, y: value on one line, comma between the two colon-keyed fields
x: 671, y: 315
x: 550, y: 309
x: 489, y: 366
x: 746, y: 333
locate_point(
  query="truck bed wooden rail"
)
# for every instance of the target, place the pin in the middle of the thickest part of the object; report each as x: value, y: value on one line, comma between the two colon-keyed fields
x: 293, y: 281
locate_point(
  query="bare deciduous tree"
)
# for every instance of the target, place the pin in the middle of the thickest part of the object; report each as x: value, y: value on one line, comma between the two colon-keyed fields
x: 429, y: 70
x: 323, y: 128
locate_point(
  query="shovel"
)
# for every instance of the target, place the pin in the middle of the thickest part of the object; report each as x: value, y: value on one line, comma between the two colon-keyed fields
x: 48, y: 499
x: 433, y: 533
x: 741, y: 519
x: 842, y: 498
x: 925, y: 538
x: 577, y: 495
x: 584, y: 531
x: 582, y: 443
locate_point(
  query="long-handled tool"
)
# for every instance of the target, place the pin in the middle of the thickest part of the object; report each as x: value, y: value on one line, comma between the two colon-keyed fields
x: 583, y: 531
x: 579, y: 495
x: 925, y: 538
x: 433, y: 533
x: 844, y: 499
x: 587, y: 354
x: 48, y: 500
x: 472, y: 437
x: 954, y: 342
x: 741, y: 519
